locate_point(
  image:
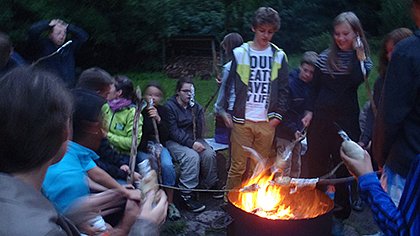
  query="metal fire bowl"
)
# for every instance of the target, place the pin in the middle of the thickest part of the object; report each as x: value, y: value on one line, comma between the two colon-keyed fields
x: 245, y: 223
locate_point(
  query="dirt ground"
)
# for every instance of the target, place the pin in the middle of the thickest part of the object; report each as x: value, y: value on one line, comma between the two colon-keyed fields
x: 215, y: 220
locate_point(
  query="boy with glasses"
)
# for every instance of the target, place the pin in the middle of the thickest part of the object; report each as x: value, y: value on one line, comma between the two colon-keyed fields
x: 186, y: 144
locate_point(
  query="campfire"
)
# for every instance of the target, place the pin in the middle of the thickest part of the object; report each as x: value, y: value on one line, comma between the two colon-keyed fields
x: 270, y: 195
x: 270, y: 204
x: 262, y: 197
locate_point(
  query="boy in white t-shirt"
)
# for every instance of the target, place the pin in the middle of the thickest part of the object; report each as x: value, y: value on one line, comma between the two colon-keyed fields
x: 259, y: 75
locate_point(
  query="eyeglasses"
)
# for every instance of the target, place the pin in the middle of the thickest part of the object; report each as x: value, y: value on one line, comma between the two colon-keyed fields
x: 186, y: 91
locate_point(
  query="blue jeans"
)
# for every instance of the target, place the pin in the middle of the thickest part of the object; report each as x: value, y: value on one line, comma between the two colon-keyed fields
x: 168, y: 170
x: 195, y: 168
x: 393, y: 184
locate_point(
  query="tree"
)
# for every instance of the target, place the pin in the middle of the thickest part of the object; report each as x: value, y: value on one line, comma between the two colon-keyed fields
x: 128, y: 34
x: 394, y: 14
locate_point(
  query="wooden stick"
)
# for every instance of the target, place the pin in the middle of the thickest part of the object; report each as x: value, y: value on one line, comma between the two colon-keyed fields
x: 217, y: 74
x: 134, y: 141
x: 370, y: 96
x: 211, y: 98
x: 159, y: 165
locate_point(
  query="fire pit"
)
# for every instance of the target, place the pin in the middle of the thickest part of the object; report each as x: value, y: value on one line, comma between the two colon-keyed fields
x: 274, y: 210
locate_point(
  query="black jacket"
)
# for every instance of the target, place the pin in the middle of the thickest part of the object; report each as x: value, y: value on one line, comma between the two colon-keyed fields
x: 396, y: 137
x: 180, y: 122
x: 111, y: 160
x: 62, y: 64
x: 148, y: 132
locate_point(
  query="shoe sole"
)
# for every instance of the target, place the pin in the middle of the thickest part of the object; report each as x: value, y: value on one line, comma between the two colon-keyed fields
x: 202, y: 208
x: 218, y: 196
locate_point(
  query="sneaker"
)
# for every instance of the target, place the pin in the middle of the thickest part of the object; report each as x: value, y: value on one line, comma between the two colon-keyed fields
x: 192, y: 205
x: 357, y: 205
x: 217, y: 195
x: 173, y: 212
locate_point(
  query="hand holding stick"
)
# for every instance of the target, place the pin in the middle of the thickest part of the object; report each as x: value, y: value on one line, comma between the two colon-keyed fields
x: 156, y: 150
x: 134, y: 140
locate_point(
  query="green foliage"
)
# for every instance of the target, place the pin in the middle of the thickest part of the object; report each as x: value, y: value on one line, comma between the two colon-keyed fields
x: 394, y: 14
x: 301, y: 20
x: 317, y: 43
x: 293, y: 60
x: 129, y: 34
x: 195, y: 17
x: 373, y: 75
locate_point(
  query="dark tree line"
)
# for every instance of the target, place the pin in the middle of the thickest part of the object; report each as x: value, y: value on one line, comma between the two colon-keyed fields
x: 129, y: 34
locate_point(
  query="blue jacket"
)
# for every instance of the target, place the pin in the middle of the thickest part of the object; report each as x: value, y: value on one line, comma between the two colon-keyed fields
x: 15, y: 60
x: 63, y: 64
x: 404, y: 220
x: 298, y: 96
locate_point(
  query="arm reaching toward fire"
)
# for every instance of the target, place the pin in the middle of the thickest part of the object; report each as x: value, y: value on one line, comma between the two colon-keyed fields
x: 357, y: 167
x: 401, y: 220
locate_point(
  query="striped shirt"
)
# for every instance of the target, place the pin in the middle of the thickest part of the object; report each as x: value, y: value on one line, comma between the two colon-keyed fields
x: 344, y: 63
x: 392, y: 220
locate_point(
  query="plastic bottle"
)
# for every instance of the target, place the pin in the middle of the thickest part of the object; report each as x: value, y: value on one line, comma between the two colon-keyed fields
x: 350, y: 148
x: 151, y: 104
x: 353, y: 149
x: 98, y: 223
x: 149, y: 180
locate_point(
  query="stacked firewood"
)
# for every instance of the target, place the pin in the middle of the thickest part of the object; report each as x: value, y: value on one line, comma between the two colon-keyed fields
x: 190, y: 66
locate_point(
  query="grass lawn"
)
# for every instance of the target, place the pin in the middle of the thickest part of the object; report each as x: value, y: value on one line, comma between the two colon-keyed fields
x: 205, y: 89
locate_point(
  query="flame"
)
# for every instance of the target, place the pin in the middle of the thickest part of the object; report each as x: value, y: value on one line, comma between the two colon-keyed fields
x: 273, y: 201
x: 266, y: 201
x: 276, y: 202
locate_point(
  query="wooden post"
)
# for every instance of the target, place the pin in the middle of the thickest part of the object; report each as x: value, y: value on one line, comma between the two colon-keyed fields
x: 213, y: 51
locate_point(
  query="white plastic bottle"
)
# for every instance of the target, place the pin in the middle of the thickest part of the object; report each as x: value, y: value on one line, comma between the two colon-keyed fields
x: 149, y: 180
x: 351, y: 148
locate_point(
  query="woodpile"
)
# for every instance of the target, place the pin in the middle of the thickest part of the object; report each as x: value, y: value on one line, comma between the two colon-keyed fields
x: 190, y: 66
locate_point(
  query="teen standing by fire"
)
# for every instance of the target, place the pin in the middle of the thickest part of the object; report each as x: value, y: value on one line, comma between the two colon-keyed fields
x: 259, y: 75
x: 338, y: 74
